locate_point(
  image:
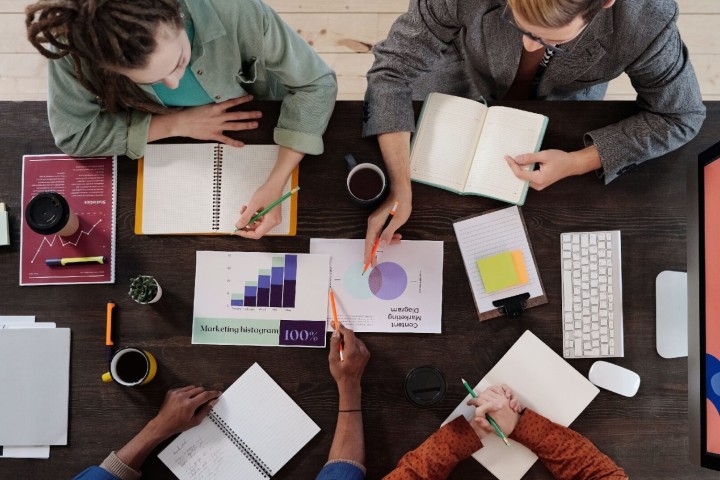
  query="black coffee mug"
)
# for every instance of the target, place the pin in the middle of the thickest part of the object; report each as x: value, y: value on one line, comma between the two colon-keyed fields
x: 366, y: 182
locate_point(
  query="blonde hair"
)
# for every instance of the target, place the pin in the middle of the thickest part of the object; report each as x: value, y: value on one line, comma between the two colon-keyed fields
x: 555, y: 13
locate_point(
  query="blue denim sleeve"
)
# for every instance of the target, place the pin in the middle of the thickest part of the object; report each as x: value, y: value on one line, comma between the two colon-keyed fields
x: 340, y: 471
x: 95, y: 473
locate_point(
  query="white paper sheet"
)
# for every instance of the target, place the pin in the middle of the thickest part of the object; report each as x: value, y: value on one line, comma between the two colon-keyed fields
x: 402, y: 294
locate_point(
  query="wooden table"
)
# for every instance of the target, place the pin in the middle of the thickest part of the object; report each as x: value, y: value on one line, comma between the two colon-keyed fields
x: 646, y: 434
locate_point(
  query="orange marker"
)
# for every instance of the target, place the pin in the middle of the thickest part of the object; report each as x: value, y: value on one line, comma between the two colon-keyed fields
x: 108, y: 333
x: 377, y: 242
x: 335, y: 321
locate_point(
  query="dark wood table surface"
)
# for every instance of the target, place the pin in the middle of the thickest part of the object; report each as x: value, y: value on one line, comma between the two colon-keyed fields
x: 646, y: 434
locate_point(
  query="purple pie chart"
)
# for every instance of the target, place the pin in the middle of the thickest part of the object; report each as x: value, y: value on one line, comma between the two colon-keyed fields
x: 387, y: 281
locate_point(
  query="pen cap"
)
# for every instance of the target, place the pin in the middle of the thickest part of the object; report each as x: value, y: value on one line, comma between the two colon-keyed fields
x: 425, y: 386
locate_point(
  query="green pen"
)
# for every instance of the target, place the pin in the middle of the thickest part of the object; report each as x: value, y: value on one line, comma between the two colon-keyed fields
x: 270, y: 207
x: 488, y: 417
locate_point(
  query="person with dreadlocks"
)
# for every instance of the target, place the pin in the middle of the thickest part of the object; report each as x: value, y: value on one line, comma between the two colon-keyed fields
x: 122, y: 74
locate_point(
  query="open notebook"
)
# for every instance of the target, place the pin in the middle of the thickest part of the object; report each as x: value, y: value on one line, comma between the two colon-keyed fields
x: 460, y: 145
x: 253, y: 430
x: 542, y: 381
x: 199, y: 188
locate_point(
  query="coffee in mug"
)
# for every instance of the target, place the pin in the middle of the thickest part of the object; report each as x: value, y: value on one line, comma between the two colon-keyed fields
x: 49, y: 213
x: 365, y: 182
x: 131, y: 367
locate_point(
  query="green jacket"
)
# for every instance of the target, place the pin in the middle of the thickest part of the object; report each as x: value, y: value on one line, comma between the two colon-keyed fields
x: 240, y: 47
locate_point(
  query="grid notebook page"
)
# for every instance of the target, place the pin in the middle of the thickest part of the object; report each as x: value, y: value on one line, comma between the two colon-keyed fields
x: 266, y: 418
x: 490, y: 234
x: 170, y: 173
x: 244, y: 170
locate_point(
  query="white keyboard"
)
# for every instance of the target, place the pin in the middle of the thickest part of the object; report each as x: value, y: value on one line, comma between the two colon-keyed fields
x: 592, y: 294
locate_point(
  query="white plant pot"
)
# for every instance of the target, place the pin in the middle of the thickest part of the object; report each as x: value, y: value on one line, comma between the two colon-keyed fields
x: 155, y: 299
x: 157, y: 295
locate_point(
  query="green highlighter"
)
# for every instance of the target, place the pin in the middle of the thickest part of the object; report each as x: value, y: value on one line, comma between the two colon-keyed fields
x: 503, y: 270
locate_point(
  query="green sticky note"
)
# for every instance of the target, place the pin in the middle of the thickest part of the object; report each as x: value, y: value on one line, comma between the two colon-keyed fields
x: 498, y: 272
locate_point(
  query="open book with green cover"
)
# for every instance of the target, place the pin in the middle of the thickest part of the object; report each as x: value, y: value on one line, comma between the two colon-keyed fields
x: 460, y: 145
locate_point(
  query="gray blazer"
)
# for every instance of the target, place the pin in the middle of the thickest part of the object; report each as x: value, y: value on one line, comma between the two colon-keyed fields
x: 638, y: 37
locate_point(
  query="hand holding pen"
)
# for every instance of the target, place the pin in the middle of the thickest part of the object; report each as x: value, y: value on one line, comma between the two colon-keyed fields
x: 347, y: 373
x: 336, y: 323
x: 391, y: 215
x: 247, y: 228
x: 499, y: 401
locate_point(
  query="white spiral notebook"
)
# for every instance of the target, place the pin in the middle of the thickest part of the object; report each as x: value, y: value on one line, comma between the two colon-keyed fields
x: 253, y: 430
x: 199, y: 188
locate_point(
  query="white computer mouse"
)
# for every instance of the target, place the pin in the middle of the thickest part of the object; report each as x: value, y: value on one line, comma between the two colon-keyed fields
x: 614, y: 378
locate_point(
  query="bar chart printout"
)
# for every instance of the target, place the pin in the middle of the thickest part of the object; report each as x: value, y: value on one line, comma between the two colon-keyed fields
x: 248, y: 298
x: 272, y: 288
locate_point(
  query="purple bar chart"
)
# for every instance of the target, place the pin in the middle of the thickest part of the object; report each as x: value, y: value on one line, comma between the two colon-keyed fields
x: 274, y: 287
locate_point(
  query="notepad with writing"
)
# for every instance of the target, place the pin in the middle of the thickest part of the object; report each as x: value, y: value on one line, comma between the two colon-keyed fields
x: 199, y: 188
x: 544, y: 382
x: 253, y: 430
x: 460, y: 145
x: 490, y: 234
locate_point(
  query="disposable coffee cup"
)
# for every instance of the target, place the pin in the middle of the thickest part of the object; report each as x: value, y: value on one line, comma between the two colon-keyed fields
x: 49, y: 213
x: 425, y: 386
x: 366, y: 182
x: 131, y: 367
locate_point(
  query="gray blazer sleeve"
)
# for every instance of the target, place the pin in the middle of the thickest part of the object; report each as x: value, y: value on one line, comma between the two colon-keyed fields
x: 670, y: 100
x: 416, y: 43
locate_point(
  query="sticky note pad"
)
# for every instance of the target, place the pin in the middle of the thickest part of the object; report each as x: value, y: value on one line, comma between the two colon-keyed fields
x: 519, y: 262
x: 503, y: 270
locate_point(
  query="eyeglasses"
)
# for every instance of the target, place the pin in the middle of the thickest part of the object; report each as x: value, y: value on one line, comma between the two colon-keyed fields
x: 508, y: 17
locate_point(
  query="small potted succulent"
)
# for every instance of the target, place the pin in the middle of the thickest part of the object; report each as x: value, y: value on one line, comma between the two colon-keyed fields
x: 145, y: 289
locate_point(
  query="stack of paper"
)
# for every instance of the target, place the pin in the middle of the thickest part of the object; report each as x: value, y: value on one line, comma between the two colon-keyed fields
x: 36, y: 357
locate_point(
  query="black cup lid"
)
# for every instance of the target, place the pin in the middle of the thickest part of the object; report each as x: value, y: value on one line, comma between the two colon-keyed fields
x: 47, y: 213
x: 425, y: 386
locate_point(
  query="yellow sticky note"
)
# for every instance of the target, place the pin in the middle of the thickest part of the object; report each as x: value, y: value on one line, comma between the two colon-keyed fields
x: 502, y: 271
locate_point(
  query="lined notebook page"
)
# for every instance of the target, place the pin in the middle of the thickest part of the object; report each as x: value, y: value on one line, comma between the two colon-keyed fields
x: 244, y: 171
x: 170, y: 172
x: 262, y: 415
x: 544, y: 382
x: 490, y: 234
x: 507, y: 131
x: 445, y: 139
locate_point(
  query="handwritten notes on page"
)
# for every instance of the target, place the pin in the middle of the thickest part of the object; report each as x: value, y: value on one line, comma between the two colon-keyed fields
x: 253, y: 430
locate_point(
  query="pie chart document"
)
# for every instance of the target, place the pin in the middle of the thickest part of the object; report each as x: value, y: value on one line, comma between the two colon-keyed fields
x: 402, y: 293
